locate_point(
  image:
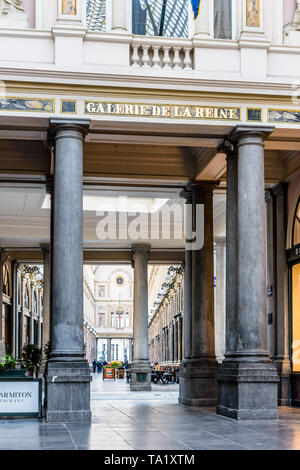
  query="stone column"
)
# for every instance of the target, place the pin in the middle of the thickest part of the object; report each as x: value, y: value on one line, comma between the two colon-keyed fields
x: 141, y: 368
x: 220, y: 243
x: 247, y: 380
x: 197, y: 385
x: 108, y: 345
x: 68, y: 375
x: 119, y: 23
x: 202, y: 23
x: 281, y: 358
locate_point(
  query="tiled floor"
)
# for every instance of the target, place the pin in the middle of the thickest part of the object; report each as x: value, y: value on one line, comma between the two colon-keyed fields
x: 151, y: 421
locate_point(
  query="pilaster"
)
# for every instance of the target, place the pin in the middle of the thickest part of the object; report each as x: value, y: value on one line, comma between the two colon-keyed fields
x: 68, y: 33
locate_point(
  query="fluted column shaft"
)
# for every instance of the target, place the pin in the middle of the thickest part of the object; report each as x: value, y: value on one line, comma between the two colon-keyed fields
x: 202, y: 23
x: 119, y: 22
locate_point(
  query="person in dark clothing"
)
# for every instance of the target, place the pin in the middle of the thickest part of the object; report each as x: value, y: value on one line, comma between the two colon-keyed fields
x: 99, y: 367
x: 94, y: 365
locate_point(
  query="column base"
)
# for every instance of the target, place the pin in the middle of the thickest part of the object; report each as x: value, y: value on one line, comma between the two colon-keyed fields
x: 248, y: 390
x: 197, y: 382
x: 284, y: 386
x: 140, y: 377
x: 68, y: 392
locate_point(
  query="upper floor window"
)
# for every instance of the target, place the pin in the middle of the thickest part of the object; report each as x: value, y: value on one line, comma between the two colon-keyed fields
x: 101, y: 320
x: 223, y: 19
x: 96, y: 15
x: 167, y: 18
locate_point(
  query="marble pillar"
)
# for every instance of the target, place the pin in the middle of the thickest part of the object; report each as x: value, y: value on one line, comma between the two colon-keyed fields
x: 247, y: 379
x: 68, y: 374
x: 141, y: 368
x: 220, y: 307
x: 197, y: 385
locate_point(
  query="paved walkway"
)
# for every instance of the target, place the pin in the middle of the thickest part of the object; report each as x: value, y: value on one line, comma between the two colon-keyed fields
x: 124, y: 420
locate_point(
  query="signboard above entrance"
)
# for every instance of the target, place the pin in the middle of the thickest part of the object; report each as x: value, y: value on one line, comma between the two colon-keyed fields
x: 162, y: 111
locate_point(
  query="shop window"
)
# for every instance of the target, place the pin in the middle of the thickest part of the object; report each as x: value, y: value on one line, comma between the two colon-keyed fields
x: 26, y: 298
x: 296, y: 228
x: 6, y: 279
x: 96, y: 15
x: 27, y: 330
x: 160, y: 18
x: 34, y: 302
x: 19, y: 290
x: 295, y: 286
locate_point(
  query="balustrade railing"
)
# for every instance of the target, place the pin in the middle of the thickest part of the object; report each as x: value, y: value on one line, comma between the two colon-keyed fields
x: 161, y: 55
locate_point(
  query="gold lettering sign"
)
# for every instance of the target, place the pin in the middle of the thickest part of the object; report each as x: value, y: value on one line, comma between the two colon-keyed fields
x: 162, y: 111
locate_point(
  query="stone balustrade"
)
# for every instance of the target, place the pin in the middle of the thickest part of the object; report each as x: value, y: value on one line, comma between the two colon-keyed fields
x: 161, y: 53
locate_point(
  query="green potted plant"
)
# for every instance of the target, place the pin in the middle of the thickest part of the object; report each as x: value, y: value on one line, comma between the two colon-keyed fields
x: 31, y: 359
x: 8, y: 368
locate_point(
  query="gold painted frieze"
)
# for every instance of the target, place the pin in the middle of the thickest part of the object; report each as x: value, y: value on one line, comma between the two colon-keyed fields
x: 27, y: 104
x: 162, y: 111
x: 284, y: 115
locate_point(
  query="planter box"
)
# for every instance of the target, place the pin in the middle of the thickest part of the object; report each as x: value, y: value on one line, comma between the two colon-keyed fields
x: 109, y: 373
x: 7, y: 373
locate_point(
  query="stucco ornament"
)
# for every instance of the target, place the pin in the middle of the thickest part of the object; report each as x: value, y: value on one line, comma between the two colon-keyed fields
x: 12, y: 6
x: 296, y: 22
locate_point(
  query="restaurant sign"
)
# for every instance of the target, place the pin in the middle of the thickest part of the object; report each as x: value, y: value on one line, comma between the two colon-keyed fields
x: 20, y: 397
x: 101, y: 108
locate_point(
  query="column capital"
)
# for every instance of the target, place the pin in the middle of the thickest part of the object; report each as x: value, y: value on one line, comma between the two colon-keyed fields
x: 269, y: 197
x: 202, y: 186
x: 67, y: 125
x: 230, y: 144
x: 45, y: 247
x: 279, y: 189
x: 143, y: 249
x: 187, y: 195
